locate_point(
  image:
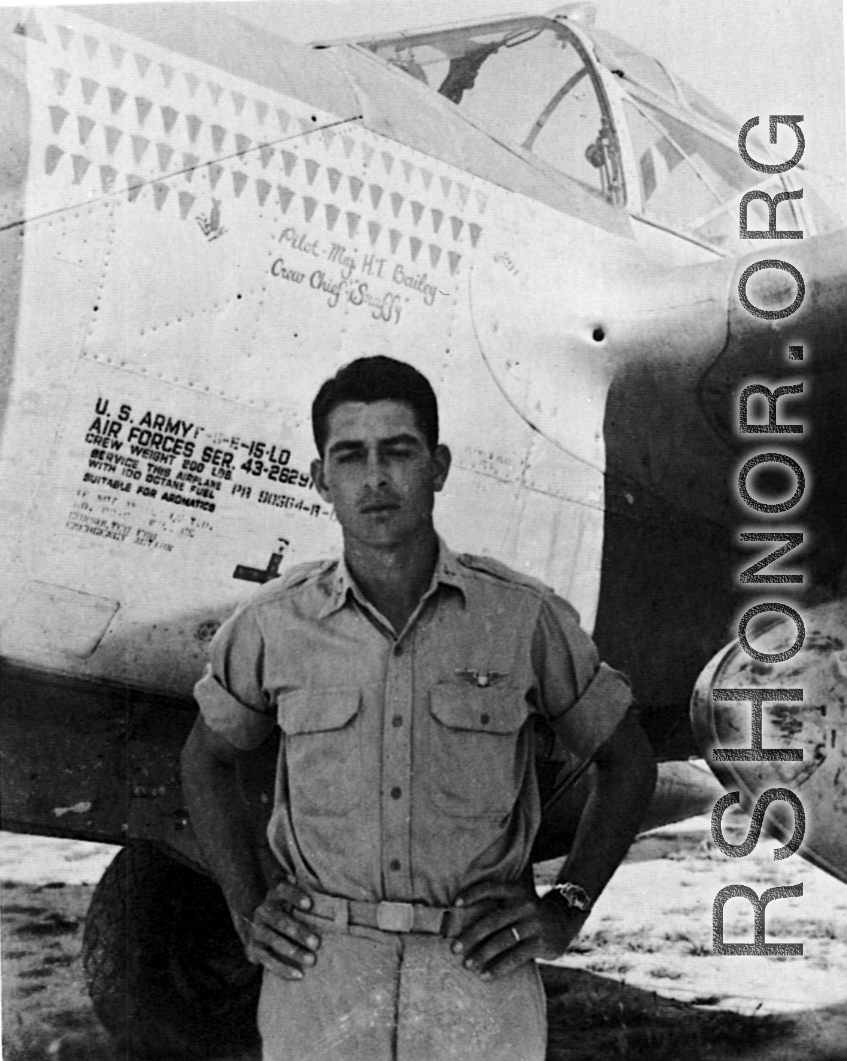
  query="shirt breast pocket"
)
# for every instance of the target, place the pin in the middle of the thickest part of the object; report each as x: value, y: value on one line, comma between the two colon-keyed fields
x: 323, y: 750
x: 477, y: 762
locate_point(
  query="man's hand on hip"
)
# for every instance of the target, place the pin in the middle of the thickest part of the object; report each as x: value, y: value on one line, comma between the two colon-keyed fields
x: 515, y: 927
x: 274, y: 938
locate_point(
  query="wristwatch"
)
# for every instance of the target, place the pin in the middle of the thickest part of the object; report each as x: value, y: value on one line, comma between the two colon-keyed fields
x: 574, y: 895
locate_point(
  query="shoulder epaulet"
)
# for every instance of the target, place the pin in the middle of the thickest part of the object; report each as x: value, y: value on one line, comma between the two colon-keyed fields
x: 294, y: 576
x: 488, y: 566
x: 300, y: 573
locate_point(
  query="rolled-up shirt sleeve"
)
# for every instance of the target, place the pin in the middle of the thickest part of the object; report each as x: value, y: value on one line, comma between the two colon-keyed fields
x: 582, y: 699
x: 230, y: 693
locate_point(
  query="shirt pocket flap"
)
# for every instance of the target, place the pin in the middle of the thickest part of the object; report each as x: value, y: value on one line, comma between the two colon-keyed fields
x: 317, y: 710
x: 492, y: 710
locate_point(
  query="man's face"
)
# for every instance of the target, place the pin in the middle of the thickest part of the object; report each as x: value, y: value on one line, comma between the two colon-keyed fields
x: 378, y: 472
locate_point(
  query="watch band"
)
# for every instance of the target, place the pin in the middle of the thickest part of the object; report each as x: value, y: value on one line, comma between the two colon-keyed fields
x: 574, y: 895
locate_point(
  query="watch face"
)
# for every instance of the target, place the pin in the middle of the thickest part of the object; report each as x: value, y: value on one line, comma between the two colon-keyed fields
x: 574, y: 896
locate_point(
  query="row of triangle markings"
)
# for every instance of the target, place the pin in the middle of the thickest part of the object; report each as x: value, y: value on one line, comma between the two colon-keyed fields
x: 34, y: 30
x: 117, y: 95
x: 216, y: 170
x: 161, y: 190
x: 243, y: 142
x: 170, y: 115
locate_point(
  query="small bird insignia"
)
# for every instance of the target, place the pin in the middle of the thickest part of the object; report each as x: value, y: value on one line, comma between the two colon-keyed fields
x: 211, y: 226
x: 482, y: 679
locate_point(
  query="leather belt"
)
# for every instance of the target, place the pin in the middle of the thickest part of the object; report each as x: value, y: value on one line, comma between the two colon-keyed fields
x: 393, y: 917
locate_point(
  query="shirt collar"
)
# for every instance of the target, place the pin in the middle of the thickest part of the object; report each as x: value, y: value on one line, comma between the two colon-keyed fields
x: 448, y: 571
x: 342, y: 585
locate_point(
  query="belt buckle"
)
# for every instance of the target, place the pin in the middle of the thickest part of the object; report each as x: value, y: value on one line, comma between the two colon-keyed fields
x: 395, y: 917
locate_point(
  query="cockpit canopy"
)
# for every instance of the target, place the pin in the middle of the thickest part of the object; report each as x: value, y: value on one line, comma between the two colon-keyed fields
x: 583, y: 104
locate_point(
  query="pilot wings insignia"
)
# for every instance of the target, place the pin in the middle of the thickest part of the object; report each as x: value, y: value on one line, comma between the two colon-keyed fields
x: 482, y: 679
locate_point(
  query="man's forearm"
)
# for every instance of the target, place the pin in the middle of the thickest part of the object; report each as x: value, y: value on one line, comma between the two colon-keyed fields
x: 222, y: 826
x: 625, y: 777
x: 519, y: 928
x: 263, y: 918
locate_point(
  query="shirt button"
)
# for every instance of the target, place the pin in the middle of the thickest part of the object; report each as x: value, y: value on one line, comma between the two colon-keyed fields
x: 484, y: 719
x: 398, y: 650
x: 396, y: 792
x: 394, y: 864
x: 397, y: 721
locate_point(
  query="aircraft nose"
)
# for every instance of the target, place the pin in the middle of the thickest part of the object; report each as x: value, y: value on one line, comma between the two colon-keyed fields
x: 672, y: 414
x: 758, y: 345
x: 806, y: 349
x: 652, y: 402
x: 673, y: 512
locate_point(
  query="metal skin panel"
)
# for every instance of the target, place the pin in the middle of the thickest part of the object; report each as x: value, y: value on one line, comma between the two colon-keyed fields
x: 101, y: 762
x: 245, y: 307
x: 200, y: 223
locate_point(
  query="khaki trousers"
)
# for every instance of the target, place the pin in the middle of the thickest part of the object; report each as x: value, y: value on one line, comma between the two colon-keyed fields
x: 384, y: 996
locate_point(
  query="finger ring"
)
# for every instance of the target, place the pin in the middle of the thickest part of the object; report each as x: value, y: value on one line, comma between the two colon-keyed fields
x: 516, y: 934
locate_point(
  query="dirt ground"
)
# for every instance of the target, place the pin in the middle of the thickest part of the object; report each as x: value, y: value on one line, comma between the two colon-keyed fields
x: 640, y: 983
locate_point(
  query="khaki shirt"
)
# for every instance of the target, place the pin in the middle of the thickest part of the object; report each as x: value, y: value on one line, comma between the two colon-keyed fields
x: 406, y: 765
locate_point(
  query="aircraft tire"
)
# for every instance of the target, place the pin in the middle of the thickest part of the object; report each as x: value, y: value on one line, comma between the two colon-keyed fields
x: 163, y: 965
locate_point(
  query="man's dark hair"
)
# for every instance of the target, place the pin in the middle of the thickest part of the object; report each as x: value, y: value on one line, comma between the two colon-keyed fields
x: 377, y: 379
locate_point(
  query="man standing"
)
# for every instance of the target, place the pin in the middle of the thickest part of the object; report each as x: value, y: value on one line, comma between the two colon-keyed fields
x: 409, y: 684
